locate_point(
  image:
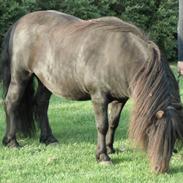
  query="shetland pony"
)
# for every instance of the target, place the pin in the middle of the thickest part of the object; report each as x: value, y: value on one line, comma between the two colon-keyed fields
x: 104, y: 60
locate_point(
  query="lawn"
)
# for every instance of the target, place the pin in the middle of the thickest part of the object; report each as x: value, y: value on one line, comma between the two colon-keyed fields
x: 73, y: 160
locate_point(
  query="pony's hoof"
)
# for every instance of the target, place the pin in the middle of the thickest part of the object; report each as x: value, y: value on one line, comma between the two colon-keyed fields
x: 11, y: 143
x: 105, y: 163
x: 50, y: 140
x: 103, y: 157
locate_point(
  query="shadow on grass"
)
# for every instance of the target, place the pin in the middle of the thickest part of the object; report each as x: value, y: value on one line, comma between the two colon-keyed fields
x: 76, y: 122
x: 119, y: 160
x: 175, y: 170
x: 84, y: 134
x: 78, y: 131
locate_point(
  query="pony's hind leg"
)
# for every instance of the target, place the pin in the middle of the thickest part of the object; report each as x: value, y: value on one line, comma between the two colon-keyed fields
x: 11, y: 104
x: 114, y: 109
x: 42, y: 98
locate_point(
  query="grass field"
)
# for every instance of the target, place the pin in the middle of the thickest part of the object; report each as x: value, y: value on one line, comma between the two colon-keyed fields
x: 73, y: 160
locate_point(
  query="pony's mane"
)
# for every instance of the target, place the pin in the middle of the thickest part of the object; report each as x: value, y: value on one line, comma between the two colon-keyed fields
x: 155, y: 88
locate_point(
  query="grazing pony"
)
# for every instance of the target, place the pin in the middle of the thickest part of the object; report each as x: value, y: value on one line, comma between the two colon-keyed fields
x: 104, y: 60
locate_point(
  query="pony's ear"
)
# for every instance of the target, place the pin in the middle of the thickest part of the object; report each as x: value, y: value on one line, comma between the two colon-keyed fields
x: 160, y: 114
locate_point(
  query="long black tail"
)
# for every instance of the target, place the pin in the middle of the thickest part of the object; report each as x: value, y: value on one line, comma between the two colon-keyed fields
x: 5, y: 62
x: 24, y: 111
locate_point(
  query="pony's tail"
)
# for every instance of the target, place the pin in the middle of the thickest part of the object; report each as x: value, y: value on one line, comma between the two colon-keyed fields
x: 24, y: 111
x: 5, y: 62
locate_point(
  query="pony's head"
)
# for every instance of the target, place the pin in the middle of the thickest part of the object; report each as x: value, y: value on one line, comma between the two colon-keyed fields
x: 157, y: 120
x: 166, y: 128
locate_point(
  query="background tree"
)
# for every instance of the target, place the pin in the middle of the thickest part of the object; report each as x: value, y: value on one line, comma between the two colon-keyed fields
x: 158, y: 18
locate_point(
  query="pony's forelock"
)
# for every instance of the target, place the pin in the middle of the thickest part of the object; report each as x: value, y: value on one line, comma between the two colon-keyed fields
x: 161, y: 140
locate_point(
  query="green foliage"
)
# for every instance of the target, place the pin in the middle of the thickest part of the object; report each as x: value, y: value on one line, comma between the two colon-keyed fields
x: 158, y: 18
x: 164, y: 29
x: 11, y: 11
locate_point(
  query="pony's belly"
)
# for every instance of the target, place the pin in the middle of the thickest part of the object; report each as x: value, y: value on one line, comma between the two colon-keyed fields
x: 72, y: 93
x: 68, y: 90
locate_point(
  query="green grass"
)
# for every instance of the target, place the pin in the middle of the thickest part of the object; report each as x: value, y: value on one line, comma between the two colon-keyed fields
x: 73, y: 160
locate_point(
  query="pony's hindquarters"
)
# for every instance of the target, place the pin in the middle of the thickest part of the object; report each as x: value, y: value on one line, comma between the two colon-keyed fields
x: 18, y: 94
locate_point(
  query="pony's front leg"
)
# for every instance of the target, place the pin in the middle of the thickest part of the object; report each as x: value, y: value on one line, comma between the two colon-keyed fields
x: 100, y: 108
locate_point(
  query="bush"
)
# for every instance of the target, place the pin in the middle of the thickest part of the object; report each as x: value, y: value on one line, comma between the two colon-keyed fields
x: 158, y: 18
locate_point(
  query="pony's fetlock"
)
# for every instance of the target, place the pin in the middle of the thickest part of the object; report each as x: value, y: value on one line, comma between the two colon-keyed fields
x: 103, y: 157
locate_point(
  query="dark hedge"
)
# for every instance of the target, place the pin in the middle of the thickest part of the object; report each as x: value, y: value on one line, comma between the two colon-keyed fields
x: 157, y: 18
